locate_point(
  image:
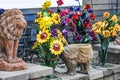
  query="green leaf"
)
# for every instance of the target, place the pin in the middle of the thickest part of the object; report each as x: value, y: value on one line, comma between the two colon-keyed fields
x: 45, y: 13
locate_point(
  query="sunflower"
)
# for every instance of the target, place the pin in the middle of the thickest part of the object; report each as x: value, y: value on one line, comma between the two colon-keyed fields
x: 56, y: 47
x: 38, y: 17
x: 45, y: 22
x: 46, y: 5
x: 56, y: 18
x: 43, y: 36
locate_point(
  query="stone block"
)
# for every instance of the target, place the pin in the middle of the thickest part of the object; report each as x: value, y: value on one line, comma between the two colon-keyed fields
x: 34, y: 71
x: 78, y: 76
x: 95, y: 74
x: 116, y: 76
x: 14, y: 75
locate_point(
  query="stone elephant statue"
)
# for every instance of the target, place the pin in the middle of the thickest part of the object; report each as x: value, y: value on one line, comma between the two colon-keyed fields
x: 77, y: 54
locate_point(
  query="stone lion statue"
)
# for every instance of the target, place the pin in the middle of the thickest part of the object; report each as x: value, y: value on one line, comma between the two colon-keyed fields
x: 12, y: 24
x: 77, y: 54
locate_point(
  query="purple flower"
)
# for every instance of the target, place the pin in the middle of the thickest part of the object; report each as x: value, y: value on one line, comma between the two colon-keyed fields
x: 92, y: 34
x: 54, y: 32
x: 78, y: 37
x: 64, y: 32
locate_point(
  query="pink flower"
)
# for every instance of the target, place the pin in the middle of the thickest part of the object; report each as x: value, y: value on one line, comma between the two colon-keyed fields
x: 62, y: 13
x: 67, y: 11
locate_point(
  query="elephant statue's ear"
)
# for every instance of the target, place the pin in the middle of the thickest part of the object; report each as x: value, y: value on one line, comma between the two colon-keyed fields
x: 71, y: 52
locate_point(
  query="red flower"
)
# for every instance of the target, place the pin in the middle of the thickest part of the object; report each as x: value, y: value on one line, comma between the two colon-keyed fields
x: 92, y: 16
x: 59, y: 2
x: 87, y: 24
x: 75, y: 17
x: 87, y: 6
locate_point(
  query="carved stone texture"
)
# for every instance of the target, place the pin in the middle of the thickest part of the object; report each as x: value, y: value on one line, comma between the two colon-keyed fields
x: 77, y: 54
x: 117, y: 40
x: 12, y: 24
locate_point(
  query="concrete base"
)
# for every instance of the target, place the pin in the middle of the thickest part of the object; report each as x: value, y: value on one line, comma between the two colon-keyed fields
x: 33, y: 72
x: 109, y: 72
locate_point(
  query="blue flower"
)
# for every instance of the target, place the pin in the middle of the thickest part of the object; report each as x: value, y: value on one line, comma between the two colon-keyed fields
x: 90, y: 10
x: 75, y: 8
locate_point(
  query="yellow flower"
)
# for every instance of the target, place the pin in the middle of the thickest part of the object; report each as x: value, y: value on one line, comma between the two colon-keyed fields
x: 43, y: 36
x: 56, y: 47
x: 35, y: 45
x: 106, y: 15
x: 114, y: 18
x: 114, y: 33
x: 60, y: 36
x: 116, y: 27
x: 46, y: 5
x: 106, y: 33
x: 38, y: 17
x: 56, y: 18
x: 45, y: 22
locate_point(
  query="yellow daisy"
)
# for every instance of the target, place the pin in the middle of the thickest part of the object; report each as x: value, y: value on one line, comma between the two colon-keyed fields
x: 56, y: 47
x: 56, y: 18
x: 43, y: 36
x: 38, y: 17
x: 116, y: 27
x: 114, y: 33
x: 46, y: 5
x: 114, y: 18
x: 106, y: 15
x: 106, y: 33
x: 45, y: 22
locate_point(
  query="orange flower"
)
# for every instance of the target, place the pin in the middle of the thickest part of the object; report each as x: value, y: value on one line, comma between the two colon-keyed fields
x: 114, y: 18
x: 106, y: 15
x: 114, y: 33
x: 106, y: 33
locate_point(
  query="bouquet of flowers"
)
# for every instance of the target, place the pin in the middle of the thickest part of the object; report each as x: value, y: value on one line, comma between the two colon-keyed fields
x: 50, y: 40
x: 106, y: 30
x: 78, y: 21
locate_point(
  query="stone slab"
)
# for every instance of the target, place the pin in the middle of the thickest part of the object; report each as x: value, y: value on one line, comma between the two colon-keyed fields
x: 33, y: 71
x: 108, y: 72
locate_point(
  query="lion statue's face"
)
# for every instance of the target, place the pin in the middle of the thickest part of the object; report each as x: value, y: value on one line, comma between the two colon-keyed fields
x: 12, y: 24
